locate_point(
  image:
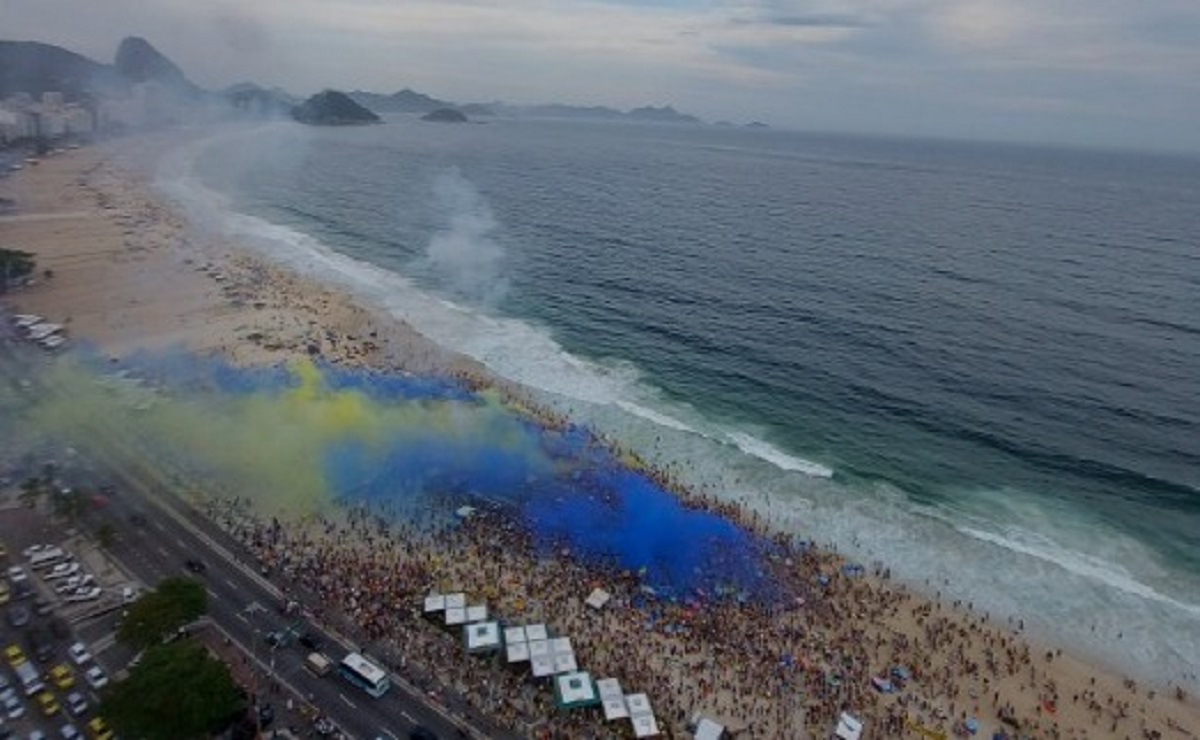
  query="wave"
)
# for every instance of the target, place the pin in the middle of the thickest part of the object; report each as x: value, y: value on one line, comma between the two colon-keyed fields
x: 777, y: 457
x: 1080, y: 564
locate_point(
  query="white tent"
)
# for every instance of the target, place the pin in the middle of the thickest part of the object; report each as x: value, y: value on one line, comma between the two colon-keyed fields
x: 482, y: 637
x: 456, y: 601
x: 542, y: 665
x: 465, y: 512
x: 435, y: 603
x: 477, y: 613
x: 536, y: 632
x: 574, y: 690
x: 706, y: 729
x: 645, y: 726
x: 517, y: 652
x: 641, y: 715
x: 612, y: 698
x: 539, y: 648
x: 456, y: 615
x: 849, y: 727
x: 514, y: 634
x: 598, y: 598
x: 565, y: 663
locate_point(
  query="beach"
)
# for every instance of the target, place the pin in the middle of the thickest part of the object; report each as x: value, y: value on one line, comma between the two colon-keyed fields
x: 127, y: 273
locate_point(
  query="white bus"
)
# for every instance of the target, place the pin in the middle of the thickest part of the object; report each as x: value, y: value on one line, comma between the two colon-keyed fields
x: 364, y: 674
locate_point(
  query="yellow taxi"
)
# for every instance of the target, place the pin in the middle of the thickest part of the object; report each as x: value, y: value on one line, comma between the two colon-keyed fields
x: 62, y: 677
x: 5, y: 594
x: 47, y: 703
x: 14, y: 655
x: 98, y: 729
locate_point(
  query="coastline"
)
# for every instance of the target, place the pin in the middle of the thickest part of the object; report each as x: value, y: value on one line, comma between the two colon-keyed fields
x: 129, y: 274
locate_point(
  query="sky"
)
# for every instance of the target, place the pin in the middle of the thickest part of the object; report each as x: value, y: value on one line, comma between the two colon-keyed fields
x: 1122, y: 73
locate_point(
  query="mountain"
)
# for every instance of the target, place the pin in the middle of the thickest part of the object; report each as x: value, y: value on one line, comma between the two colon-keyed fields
x: 665, y: 114
x: 34, y: 68
x: 138, y: 61
x: 445, y: 115
x: 405, y: 101
x: 332, y: 108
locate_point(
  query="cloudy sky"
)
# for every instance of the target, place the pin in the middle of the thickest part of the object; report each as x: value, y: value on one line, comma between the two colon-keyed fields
x: 1108, y: 72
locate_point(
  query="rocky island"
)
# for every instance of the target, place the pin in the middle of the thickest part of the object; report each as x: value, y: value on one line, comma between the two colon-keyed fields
x: 445, y: 115
x: 332, y: 108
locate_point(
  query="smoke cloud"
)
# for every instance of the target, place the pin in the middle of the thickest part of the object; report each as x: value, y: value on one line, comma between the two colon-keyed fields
x: 464, y: 257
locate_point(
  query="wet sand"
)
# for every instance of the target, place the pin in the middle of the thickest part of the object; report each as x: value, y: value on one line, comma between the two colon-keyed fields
x: 128, y: 273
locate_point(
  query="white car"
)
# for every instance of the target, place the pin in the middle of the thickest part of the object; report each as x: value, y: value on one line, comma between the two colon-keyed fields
x: 35, y: 549
x: 79, y: 653
x: 16, y: 574
x: 13, y: 707
x: 96, y: 677
x: 62, y: 570
x: 76, y: 704
x: 84, y: 593
x: 70, y: 732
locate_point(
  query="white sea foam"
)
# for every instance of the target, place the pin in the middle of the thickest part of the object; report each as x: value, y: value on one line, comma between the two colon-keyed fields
x: 777, y: 457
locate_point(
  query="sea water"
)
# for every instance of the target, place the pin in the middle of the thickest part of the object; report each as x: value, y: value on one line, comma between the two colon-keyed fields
x: 975, y: 363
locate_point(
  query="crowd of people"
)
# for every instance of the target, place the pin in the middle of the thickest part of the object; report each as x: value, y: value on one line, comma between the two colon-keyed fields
x: 782, y: 668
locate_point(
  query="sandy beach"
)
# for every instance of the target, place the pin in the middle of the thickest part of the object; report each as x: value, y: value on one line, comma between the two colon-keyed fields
x: 125, y: 272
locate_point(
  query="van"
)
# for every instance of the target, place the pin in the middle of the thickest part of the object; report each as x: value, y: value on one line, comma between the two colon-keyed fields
x: 318, y: 664
x: 31, y: 681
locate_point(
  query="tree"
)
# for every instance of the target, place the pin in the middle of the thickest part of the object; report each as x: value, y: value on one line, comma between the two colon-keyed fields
x: 14, y: 266
x: 177, y: 691
x: 106, y: 535
x: 159, y: 613
x: 32, y: 489
x: 70, y: 504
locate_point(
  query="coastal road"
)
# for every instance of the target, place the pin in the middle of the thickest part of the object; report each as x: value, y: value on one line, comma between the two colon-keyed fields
x: 246, y: 609
x: 241, y: 602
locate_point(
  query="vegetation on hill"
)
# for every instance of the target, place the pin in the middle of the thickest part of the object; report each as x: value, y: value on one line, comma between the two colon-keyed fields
x: 445, y: 115
x: 332, y: 108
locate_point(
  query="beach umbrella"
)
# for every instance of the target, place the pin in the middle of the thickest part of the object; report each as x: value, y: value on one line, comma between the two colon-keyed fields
x: 972, y: 725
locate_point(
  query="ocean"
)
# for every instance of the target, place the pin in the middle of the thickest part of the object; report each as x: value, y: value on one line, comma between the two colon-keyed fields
x: 978, y: 364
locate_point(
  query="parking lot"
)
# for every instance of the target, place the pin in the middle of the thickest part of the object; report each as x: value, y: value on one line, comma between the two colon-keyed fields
x: 60, y: 598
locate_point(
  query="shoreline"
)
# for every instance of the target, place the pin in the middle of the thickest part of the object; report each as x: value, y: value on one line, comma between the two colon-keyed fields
x: 143, y: 292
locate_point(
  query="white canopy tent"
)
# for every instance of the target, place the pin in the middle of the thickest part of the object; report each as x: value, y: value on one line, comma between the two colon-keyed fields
x: 849, y: 727
x: 536, y: 632
x: 517, y: 652
x: 477, y: 613
x: 598, y: 598
x: 482, y: 637
x: 706, y: 729
x: 434, y: 603
x: 456, y: 601
x: 612, y: 698
x: 456, y: 615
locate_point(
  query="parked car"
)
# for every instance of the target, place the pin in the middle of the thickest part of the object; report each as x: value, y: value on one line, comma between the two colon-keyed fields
x: 76, y: 704
x: 86, y: 593
x: 70, y: 732
x: 16, y: 574
x: 312, y: 642
x: 62, y: 676
x: 195, y: 566
x: 79, y: 653
x: 42, y: 607
x: 96, y: 677
x: 61, y: 570
x: 14, y: 708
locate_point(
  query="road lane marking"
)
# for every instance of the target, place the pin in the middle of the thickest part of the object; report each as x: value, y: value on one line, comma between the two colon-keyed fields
x: 389, y: 733
x: 163, y: 552
x: 212, y: 593
x: 348, y: 702
x: 242, y: 617
x: 180, y: 543
x: 407, y: 716
x: 231, y: 583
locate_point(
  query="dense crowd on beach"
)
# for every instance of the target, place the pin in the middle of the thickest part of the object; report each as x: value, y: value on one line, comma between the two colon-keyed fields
x: 787, y: 668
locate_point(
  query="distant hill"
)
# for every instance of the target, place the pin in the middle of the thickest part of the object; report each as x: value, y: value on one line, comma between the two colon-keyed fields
x: 35, y: 68
x: 665, y: 114
x: 332, y: 108
x: 445, y: 115
x: 405, y: 101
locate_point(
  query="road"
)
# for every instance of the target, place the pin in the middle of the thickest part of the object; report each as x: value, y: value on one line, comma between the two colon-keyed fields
x: 241, y: 602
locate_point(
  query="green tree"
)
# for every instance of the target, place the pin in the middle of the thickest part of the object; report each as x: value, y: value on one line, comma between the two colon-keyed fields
x: 32, y: 489
x: 177, y: 691
x: 14, y: 265
x: 70, y: 504
x: 106, y: 535
x: 160, y: 612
